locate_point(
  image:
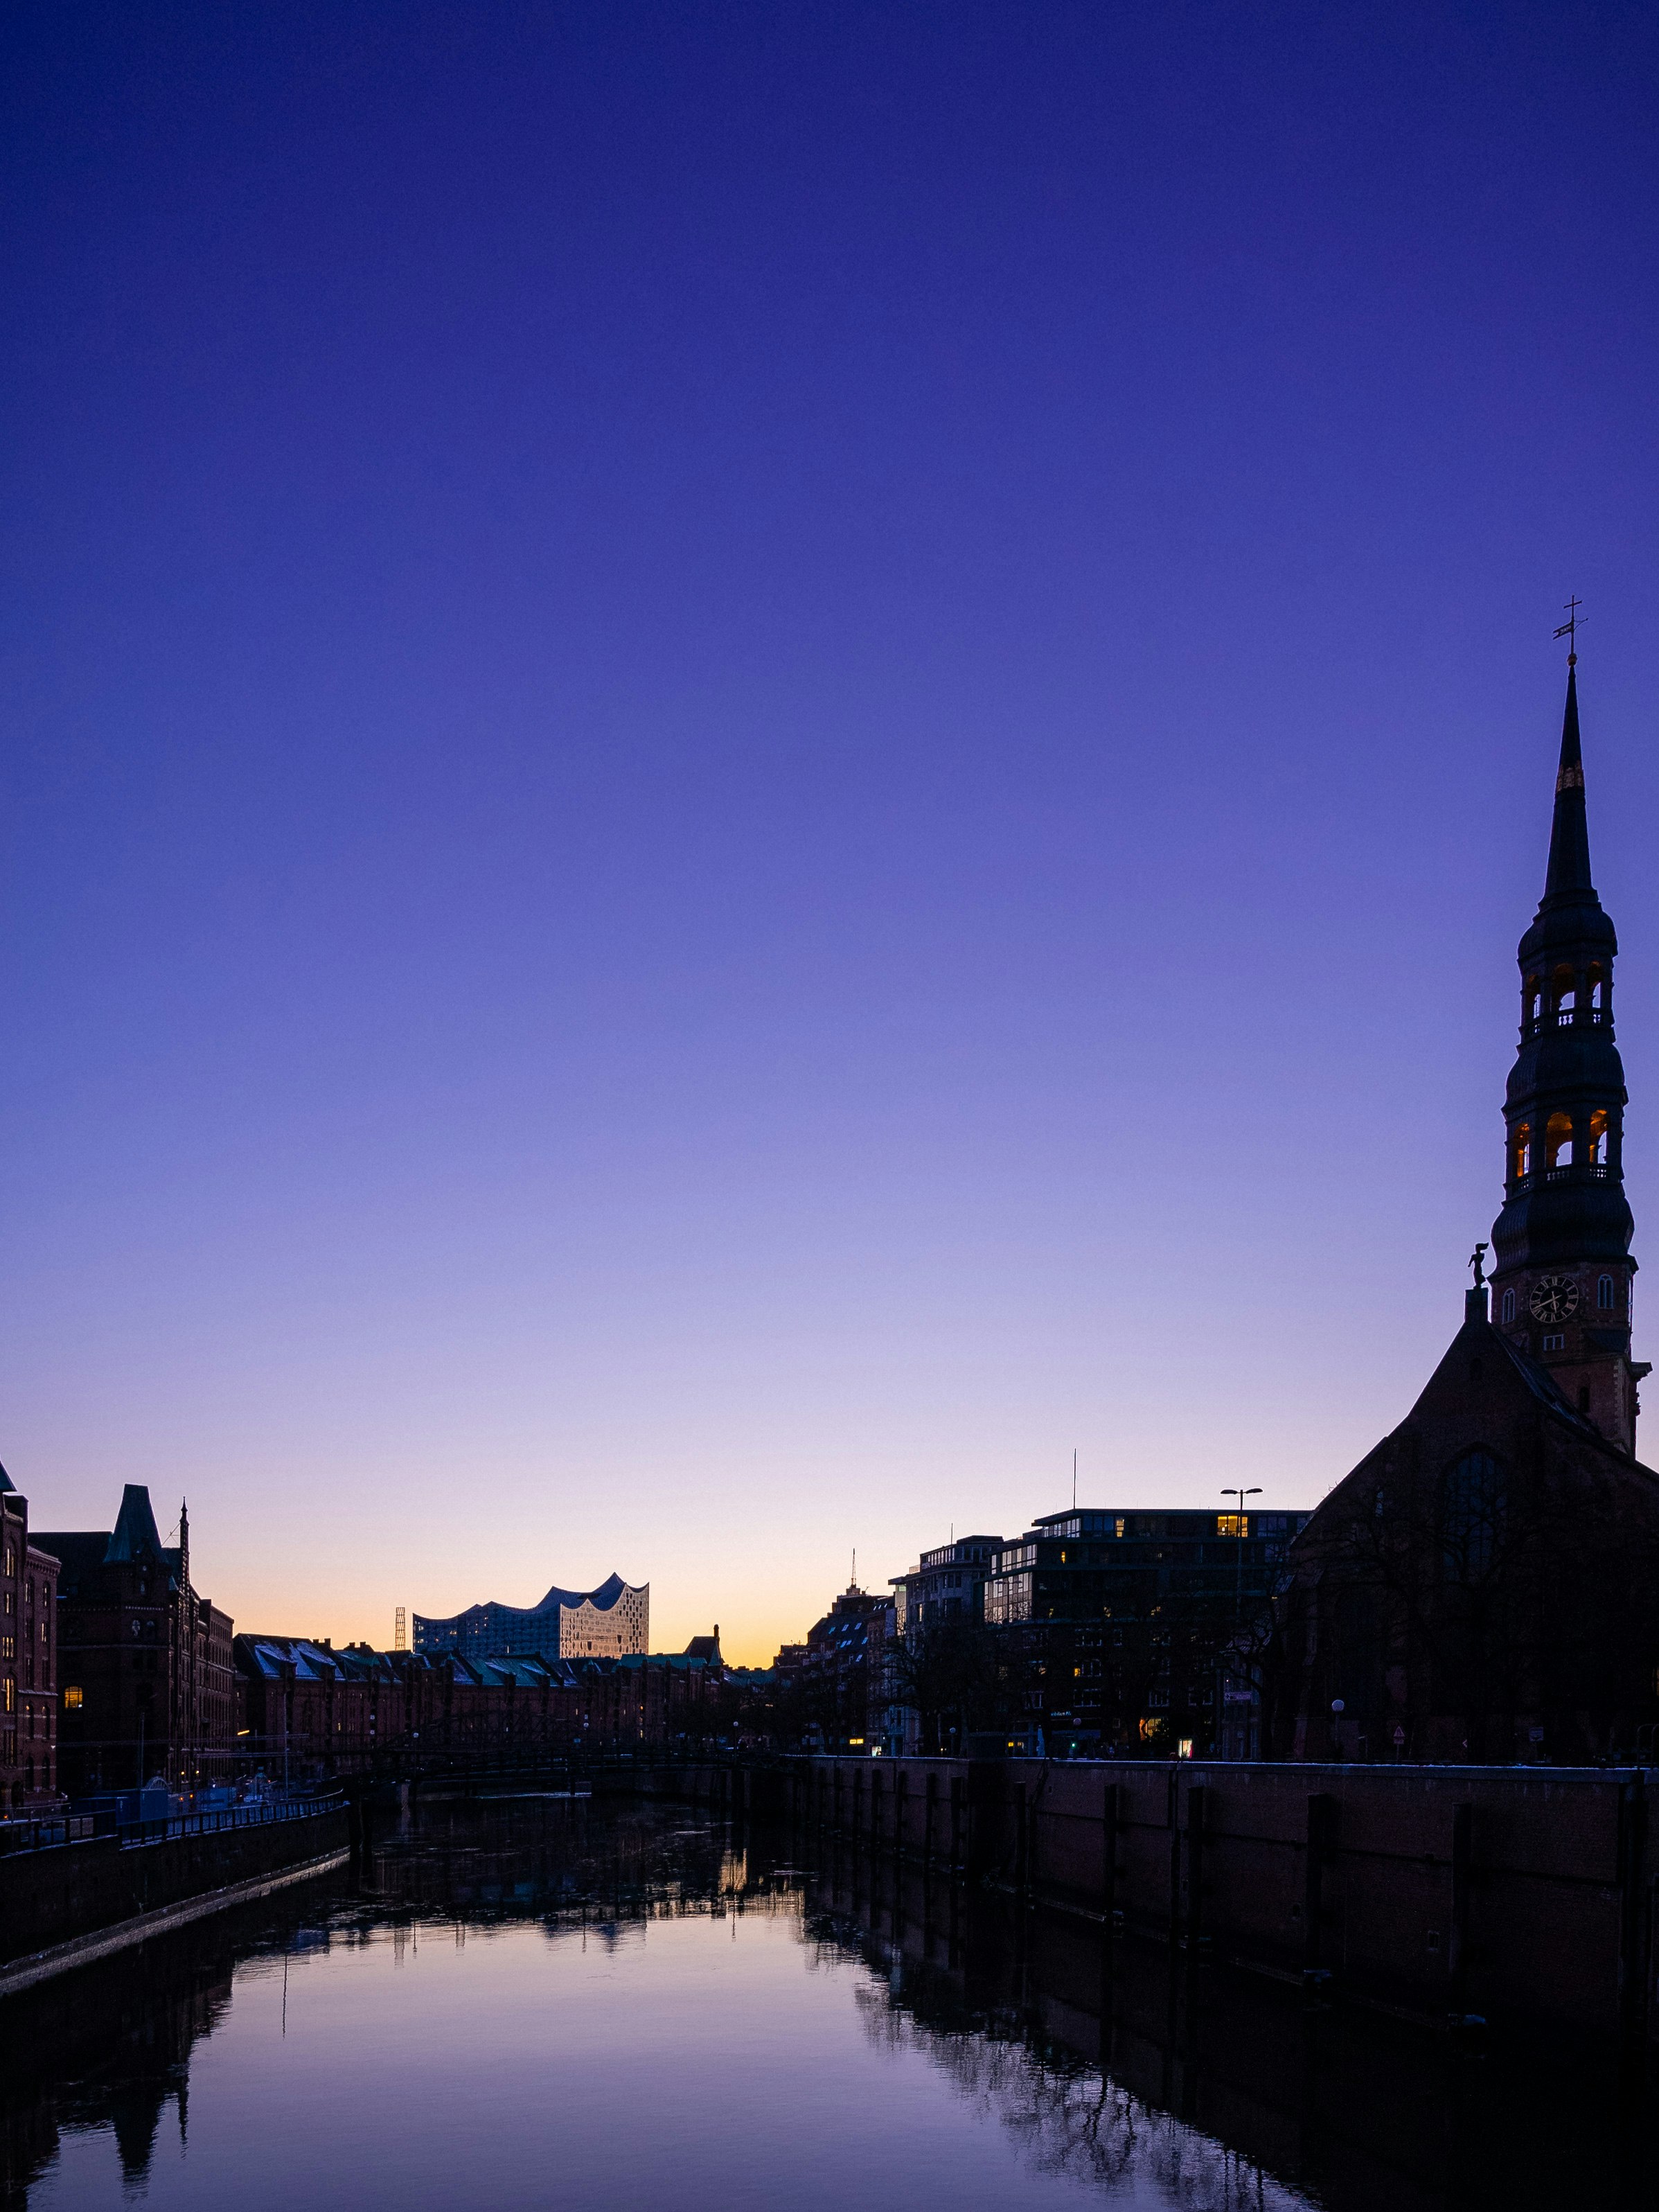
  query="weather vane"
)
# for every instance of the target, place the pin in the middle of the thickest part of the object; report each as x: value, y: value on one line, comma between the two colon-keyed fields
x: 1569, y: 629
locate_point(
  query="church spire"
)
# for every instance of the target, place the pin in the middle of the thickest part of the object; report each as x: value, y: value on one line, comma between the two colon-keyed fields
x: 1561, y: 1283
x: 1569, y: 877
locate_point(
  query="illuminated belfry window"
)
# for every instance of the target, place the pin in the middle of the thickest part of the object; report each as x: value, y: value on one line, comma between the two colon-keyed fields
x: 1598, y: 1138
x: 1558, y: 1141
x: 1523, y: 1151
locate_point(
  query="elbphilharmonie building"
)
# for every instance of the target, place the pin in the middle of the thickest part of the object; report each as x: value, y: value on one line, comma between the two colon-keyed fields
x: 611, y: 1622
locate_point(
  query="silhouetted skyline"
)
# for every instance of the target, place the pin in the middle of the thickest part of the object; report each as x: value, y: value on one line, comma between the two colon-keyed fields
x: 761, y: 762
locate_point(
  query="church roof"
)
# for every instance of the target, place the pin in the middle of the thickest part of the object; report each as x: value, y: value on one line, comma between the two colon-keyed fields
x: 1481, y: 1336
x: 1539, y: 1381
x: 1456, y: 1373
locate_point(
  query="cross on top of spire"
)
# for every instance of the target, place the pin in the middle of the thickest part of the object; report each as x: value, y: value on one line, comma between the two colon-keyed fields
x: 1569, y: 629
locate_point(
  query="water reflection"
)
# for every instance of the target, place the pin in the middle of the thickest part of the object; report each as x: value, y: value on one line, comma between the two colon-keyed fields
x: 1131, y: 2070
x: 506, y: 1999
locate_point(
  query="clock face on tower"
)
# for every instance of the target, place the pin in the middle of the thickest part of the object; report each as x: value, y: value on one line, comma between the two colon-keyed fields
x: 1554, y: 1298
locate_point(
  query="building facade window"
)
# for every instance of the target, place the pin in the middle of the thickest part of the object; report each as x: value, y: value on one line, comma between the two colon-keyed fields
x: 1472, y: 1502
x: 1508, y: 1306
x: 1604, y: 1293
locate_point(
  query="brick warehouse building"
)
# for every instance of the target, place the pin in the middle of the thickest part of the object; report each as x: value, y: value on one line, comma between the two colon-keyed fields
x: 146, y: 1683
x: 837, y: 1682
x: 28, y: 1657
x: 308, y: 1711
x: 1484, y: 1584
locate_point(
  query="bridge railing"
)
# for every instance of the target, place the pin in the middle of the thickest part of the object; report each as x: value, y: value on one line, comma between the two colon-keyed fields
x: 52, y: 1831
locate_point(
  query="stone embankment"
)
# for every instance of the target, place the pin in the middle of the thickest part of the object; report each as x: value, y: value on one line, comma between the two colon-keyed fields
x: 74, y: 1902
x: 1523, y: 1895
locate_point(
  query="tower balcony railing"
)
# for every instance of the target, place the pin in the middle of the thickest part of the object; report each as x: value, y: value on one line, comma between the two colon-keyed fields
x: 1592, y: 1171
x: 1568, y: 1018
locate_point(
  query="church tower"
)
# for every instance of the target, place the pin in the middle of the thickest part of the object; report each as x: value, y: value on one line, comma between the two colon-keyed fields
x: 1563, y: 1270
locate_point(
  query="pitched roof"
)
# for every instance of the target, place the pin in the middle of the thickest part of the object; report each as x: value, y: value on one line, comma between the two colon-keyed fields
x: 135, y: 1535
x: 1538, y: 1380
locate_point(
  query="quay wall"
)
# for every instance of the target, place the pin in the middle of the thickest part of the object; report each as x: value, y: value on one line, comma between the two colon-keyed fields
x: 71, y: 1890
x: 1524, y: 1893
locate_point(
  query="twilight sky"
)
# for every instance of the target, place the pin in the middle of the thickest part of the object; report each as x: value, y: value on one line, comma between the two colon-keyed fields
x: 760, y: 760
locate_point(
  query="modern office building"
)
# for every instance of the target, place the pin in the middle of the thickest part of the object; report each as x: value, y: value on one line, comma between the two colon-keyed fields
x: 947, y: 1584
x: 611, y: 1622
x: 1138, y: 1630
x: 1115, y: 1567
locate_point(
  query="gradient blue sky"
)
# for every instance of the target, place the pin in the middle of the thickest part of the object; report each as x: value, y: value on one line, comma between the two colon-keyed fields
x: 761, y: 759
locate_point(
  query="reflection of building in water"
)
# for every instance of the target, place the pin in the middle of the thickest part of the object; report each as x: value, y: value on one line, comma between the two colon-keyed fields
x: 109, y: 2046
x: 1077, y: 2122
x: 1143, y: 2074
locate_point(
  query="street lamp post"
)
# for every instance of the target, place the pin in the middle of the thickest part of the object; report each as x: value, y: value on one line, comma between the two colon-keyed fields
x: 1241, y: 1494
x: 1254, y: 1491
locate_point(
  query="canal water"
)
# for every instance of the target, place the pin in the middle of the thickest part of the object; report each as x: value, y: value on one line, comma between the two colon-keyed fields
x: 537, y: 2002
